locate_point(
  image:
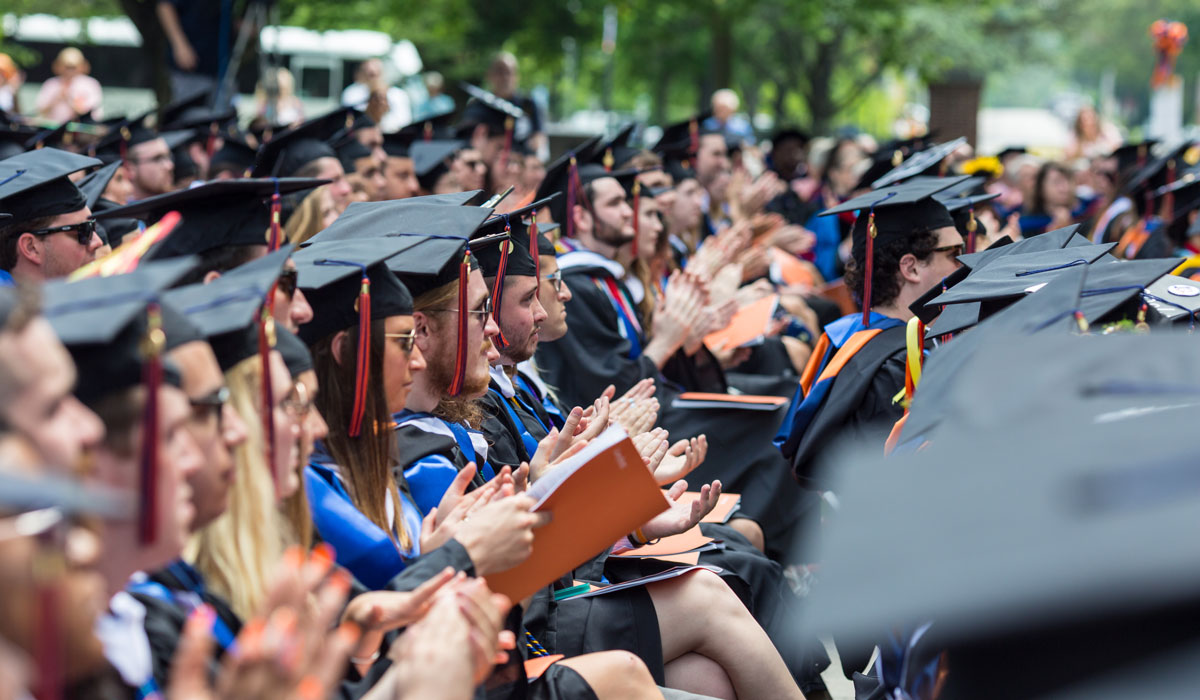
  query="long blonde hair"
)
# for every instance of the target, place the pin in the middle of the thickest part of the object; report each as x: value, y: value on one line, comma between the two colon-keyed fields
x: 309, y: 218
x: 237, y: 553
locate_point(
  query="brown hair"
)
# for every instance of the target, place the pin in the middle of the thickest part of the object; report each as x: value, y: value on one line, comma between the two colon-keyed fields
x: 366, y: 460
x: 433, y: 304
x: 9, y: 235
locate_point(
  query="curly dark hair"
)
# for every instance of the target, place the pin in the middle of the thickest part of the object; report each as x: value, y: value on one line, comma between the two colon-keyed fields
x: 884, y: 285
x: 10, y: 234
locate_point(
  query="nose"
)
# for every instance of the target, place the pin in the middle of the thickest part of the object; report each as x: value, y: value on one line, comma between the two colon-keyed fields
x: 233, y: 428
x: 416, y: 360
x: 88, y: 425
x: 301, y: 311
x: 94, y: 243
x: 491, y: 329
x: 539, y: 312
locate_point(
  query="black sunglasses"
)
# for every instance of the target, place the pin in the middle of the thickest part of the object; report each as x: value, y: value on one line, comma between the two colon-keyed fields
x: 84, y: 230
x: 287, y: 283
x: 954, y: 250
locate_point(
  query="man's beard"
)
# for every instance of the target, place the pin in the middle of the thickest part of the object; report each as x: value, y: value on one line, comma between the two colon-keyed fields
x: 519, y: 352
x: 609, y: 234
x: 440, y: 368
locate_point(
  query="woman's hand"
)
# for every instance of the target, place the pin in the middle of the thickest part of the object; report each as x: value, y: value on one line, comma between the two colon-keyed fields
x: 681, y: 517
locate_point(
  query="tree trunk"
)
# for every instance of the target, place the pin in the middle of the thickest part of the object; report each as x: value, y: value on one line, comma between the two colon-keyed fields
x: 154, y: 45
x: 722, y: 50
x: 820, y: 98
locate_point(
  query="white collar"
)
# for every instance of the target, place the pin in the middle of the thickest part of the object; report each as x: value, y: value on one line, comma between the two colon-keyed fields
x: 437, y: 426
x: 587, y: 258
x: 122, y: 632
x: 502, y: 381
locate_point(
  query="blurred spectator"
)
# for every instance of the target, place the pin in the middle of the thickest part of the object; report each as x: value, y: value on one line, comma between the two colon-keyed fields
x: 377, y: 103
x: 194, y: 35
x: 10, y: 82
x: 71, y: 93
x: 367, y: 76
x: 286, y: 108
x: 1055, y: 203
x: 725, y: 104
x: 503, y: 79
x: 1092, y: 137
x: 438, y: 102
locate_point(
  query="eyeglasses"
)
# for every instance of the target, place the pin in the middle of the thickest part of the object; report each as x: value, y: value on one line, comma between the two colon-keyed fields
x: 483, y: 313
x: 403, y: 340
x: 84, y: 230
x: 297, y: 404
x: 286, y: 284
x: 954, y: 250
x: 205, y: 408
x: 556, y: 280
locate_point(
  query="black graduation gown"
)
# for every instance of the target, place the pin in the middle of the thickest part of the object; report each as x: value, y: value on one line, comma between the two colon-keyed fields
x: 859, y: 406
x: 594, y: 354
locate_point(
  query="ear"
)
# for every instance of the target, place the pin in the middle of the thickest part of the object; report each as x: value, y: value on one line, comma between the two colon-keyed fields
x: 211, y: 276
x: 30, y: 248
x: 908, y: 269
x: 583, y: 218
x: 423, y: 329
x: 339, y: 345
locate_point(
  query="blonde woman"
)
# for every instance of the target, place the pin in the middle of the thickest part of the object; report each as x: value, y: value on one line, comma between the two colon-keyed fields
x: 71, y: 93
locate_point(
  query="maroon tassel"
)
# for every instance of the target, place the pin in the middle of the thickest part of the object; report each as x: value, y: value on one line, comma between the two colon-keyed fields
x: 275, y: 239
x: 363, y: 367
x: 637, y: 226
x: 1168, y: 211
x: 210, y: 146
x: 498, y: 286
x: 460, y: 351
x: 533, y: 250
x: 693, y: 138
x: 123, y: 146
x: 428, y: 135
x: 266, y: 341
x: 572, y: 176
x: 152, y: 348
x: 870, y: 268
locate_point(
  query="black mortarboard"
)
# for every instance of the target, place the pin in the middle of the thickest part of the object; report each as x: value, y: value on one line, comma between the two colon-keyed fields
x: 12, y: 139
x: 194, y: 113
x: 437, y: 126
x: 348, y: 286
x: 497, y: 113
x: 133, y: 131
x: 215, y: 215
x: 961, y: 201
x: 234, y: 154
x: 513, y: 255
x: 1129, y: 155
x: 1010, y: 151
x: 349, y: 149
x: 881, y: 163
x: 291, y: 150
x: 617, y: 151
x: 93, y: 185
x: 1169, y: 293
x: 296, y: 354
x: 547, y: 235
x: 228, y: 310
x: 926, y: 162
x: 36, y: 184
x: 396, y: 144
x: 683, y: 136
x: 1156, y: 173
x: 429, y: 159
x: 569, y: 175
x: 404, y: 217
x: 1014, y: 275
x: 1058, y: 238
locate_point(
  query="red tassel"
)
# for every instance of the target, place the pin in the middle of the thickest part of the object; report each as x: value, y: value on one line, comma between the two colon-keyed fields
x: 123, y: 144
x: 266, y: 341
x: 460, y: 351
x: 533, y: 250
x: 498, y: 286
x: 210, y: 146
x: 693, y: 137
x: 637, y: 226
x: 152, y: 347
x: 276, y: 208
x: 608, y: 160
x: 1168, y: 211
x: 572, y: 176
x: 870, y: 268
x: 428, y: 131
x: 363, y: 365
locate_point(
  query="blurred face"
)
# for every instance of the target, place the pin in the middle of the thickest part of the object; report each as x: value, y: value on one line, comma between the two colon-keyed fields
x: 521, y: 318
x: 216, y: 427
x: 401, y: 359
x: 372, y: 138
x: 41, y: 406
x: 650, y: 227
x: 150, y: 168
x: 312, y: 425
x: 553, y: 296
x: 339, y: 189
x: 286, y: 450
x: 503, y: 77
x: 59, y: 254
x: 469, y: 169
x: 612, y: 217
x: 1026, y: 180
x: 401, y: 179
x: 371, y: 172
x: 689, y: 206
x: 535, y: 172
x: 371, y: 69
x: 119, y: 188
x: 179, y: 458
x: 787, y: 157
x: 1056, y: 189
x: 440, y: 339
x: 712, y: 159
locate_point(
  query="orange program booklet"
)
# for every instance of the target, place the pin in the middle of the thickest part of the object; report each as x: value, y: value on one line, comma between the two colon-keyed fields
x: 748, y: 326
x: 597, y: 497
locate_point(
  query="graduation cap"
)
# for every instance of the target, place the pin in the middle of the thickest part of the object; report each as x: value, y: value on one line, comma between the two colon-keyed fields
x: 1129, y: 155
x: 404, y: 217
x: 290, y: 151
x: 1174, y: 298
x: 429, y: 159
x: 36, y: 184
x: 94, y: 183
x: 396, y: 144
x: 570, y: 175
x: 1010, y: 151
x: 547, y: 235
x: 961, y: 201
x: 1058, y: 238
x: 881, y: 163
x: 891, y: 214
x: 348, y: 286
x: 684, y: 137
x: 1014, y: 275
x: 513, y: 252
x: 491, y: 110
x: 436, y: 126
x: 195, y: 115
x: 235, y: 154
x: 59, y: 136
x: 349, y: 150
x: 216, y: 215
x: 295, y: 353
x: 12, y: 140
x: 617, y: 150
x: 927, y: 162
x: 134, y: 131
x: 1157, y: 173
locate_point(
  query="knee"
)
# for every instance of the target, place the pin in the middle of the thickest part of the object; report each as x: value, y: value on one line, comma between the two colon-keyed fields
x: 613, y: 674
x: 751, y: 531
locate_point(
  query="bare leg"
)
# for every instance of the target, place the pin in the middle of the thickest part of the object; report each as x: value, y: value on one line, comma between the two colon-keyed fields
x: 751, y: 531
x: 699, y: 674
x: 615, y: 674
x: 698, y: 613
